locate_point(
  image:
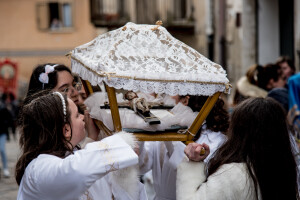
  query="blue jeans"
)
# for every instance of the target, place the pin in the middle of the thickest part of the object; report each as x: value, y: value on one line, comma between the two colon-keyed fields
x: 2, y: 150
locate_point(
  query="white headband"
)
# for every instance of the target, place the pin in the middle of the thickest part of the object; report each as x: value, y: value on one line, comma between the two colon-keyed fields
x: 44, y: 78
x: 63, y: 104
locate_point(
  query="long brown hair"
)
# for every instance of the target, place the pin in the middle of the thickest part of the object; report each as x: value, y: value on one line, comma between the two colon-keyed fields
x: 41, y: 126
x: 258, y: 136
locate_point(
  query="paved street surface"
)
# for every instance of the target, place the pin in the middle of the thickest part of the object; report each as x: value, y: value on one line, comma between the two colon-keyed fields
x: 8, y: 186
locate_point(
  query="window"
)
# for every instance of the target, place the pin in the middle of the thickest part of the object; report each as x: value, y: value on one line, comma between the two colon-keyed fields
x: 180, y: 8
x: 54, y: 16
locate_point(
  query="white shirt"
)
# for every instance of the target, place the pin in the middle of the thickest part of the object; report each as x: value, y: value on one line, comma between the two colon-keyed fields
x: 213, y: 139
x: 49, y: 177
x: 164, y: 157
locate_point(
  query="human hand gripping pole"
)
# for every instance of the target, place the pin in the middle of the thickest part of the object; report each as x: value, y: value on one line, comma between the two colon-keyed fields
x: 90, y: 126
x: 197, y: 152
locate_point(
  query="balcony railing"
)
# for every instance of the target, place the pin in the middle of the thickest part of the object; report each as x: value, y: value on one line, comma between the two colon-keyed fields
x: 115, y: 13
x: 109, y: 12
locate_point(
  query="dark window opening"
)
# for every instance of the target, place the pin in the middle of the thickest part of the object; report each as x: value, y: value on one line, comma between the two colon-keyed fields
x: 54, y: 16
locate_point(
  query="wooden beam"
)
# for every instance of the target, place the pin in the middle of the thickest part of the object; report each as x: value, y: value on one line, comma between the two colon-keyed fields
x: 111, y: 93
x: 165, y: 136
x: 205, y: 110
x: 87, y: 87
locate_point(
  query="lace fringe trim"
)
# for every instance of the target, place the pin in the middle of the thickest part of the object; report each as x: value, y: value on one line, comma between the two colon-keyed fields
x: 170, y: 87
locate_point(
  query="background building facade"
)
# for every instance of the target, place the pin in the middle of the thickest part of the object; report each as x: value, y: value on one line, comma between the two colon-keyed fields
x: 233, y: 33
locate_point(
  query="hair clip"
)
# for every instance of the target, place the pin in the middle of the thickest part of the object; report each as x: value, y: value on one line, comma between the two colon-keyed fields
x: 44, y: 78
x: 63, y: 104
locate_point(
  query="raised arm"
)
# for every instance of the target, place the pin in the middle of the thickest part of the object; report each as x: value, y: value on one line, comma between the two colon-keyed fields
x: 70, y: 177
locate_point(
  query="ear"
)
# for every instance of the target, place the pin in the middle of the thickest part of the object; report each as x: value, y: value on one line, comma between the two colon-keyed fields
x: 185, y: 100
x: 67, y: 131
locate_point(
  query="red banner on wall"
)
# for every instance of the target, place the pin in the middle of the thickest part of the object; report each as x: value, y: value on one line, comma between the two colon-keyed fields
x: 8, y: 76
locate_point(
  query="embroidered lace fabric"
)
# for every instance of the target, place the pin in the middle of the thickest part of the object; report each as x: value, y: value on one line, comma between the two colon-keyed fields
x: 135, y: 57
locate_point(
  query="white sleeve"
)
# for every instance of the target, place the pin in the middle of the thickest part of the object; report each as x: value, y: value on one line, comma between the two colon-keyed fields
x: 229, y: 182
x: 146, y: 156
x: 70, y: 177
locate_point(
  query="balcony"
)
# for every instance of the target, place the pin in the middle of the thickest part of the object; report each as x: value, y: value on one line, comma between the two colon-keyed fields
x: 177, y: 15
x: 109, y: 13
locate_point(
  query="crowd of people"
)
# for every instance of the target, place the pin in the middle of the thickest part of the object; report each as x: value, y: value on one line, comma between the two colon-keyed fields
x: 250, y: 153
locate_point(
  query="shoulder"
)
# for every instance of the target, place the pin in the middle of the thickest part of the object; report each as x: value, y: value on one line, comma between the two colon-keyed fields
x: 230, y: 181
x: 233, y: 180
x: 232, y: 167
x: 43, y: 160
x: 232, y: 173
x: 249, y: 90
x: 36, y: 168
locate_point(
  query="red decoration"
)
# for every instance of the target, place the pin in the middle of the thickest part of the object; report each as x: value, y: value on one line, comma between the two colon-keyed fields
x: 8, y: 76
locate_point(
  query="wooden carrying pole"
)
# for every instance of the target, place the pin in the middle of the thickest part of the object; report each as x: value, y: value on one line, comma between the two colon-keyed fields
x: 87, y: 87
x: 165, y: 136
x: 111, y: 93
x: 209, y: 104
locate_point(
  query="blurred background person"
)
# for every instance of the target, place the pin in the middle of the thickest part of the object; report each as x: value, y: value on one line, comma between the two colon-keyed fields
x: 287, y: 66
x: 12, y: 105
x: 282, y: 97
x: 258, y: 81
x: 6, y: 122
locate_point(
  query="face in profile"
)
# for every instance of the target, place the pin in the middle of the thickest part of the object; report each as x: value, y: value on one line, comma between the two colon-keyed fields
x: 286, y: 69
x: 82, y: 95
x: 280, y: 83
x: 75, y: 133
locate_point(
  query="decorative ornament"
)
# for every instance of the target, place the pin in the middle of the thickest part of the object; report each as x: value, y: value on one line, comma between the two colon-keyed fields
x: 44, y: 78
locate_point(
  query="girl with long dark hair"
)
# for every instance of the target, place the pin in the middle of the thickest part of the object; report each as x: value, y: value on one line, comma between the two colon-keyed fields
x: 256, y: 162
x: 51, y: 166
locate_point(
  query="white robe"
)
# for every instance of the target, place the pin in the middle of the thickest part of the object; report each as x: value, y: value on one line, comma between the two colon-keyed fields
x: 164, y: 157
x: 230, y: 182
x: 122, y: 184
x: 109, y: 186
x: 51, y: 177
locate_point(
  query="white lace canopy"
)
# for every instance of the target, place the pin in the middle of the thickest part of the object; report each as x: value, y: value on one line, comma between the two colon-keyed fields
x: 147, y: 58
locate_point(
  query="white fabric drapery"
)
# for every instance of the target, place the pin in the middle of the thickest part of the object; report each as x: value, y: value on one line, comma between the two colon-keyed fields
x: 147, y: 58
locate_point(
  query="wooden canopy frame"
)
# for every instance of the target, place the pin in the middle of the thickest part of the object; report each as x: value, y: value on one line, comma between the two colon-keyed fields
x: 161, y: 136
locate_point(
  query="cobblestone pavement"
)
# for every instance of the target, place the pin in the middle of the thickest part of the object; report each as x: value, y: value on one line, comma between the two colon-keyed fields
x: 8, y: 186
